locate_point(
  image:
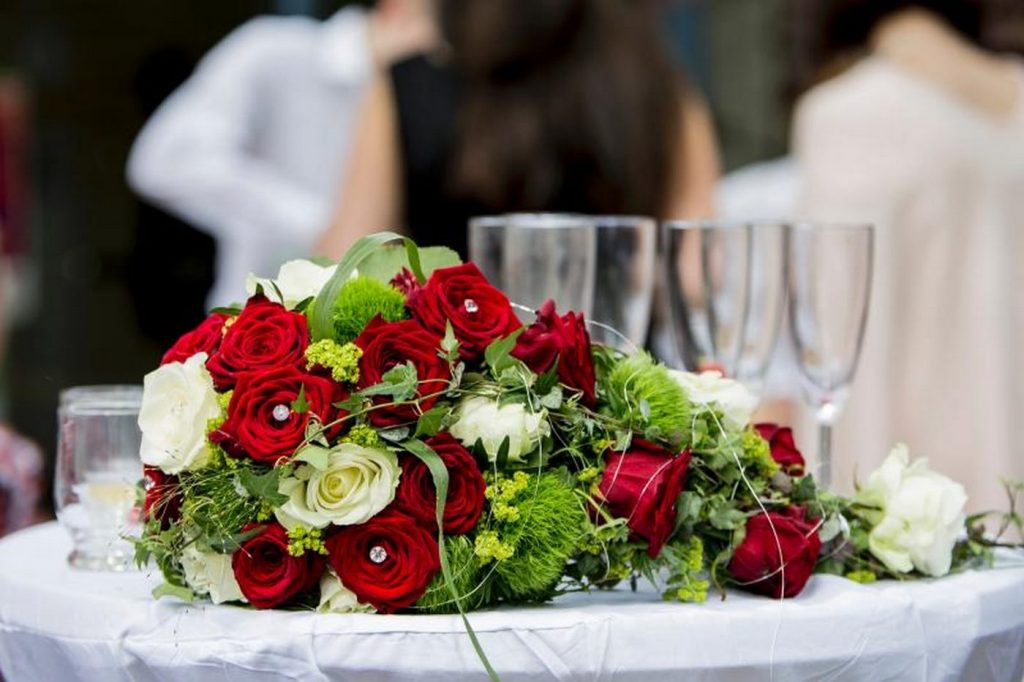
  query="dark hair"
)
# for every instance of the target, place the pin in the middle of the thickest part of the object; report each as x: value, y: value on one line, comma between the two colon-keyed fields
x: 849, y: 23
x: 563, y: 98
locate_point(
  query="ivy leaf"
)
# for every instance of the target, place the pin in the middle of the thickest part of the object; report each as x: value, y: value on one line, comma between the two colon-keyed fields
x: 548, y: 380
x: 315, y: 456
x: 300, y: 405
x: 689, y: 506
x: 726, y: 517
x: 552, y: 399
x: 228, y: 544
x: 430, y: 421
x: 262, y: 486
x: 315, y: 431
x: 400, y: 382
x: 498, y: 355
x: 449, y: 344
x: 168, y: 590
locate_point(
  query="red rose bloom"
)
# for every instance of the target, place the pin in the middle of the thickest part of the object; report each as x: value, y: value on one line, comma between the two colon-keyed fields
x: 264, y: 335
x: 386, y: 344
x: 261, y: 423
x: 759, y: 565
x: 479, y: 313
x: 388, y: 561
x: 163, y: 497
x: 203, y: 339
x: 267, y: 574
x: 417, y: 497
x: 784, y: 450
x: 405, y: 282
x: 564, y: 339
x: 641, y: 485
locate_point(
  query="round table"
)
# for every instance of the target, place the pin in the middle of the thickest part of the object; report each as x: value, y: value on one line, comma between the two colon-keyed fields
x: 61, y: 624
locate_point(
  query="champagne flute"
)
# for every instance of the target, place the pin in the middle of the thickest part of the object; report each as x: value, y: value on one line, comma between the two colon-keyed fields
x: 767, y: 302
x: 624, y: 280
x: 708, y: 272
x: 829, y: 289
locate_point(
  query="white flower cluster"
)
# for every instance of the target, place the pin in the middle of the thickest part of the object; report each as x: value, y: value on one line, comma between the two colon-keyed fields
x: 296, y: 281
x: 483, y: 420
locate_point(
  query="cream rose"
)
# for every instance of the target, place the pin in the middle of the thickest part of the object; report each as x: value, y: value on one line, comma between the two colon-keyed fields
x: 921, y: 514
x: 481, y: 419
x: 710, y: 388
x: 178, y: 399
x: 210, y: 573
x: 354, y: 484
x: 336, y: 598
x: 297, y: 280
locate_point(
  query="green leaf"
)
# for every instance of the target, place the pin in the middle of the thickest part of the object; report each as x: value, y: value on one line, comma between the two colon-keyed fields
x: 168, y: 590
x: 400, y: 382
x: 395, y: 434
x: 315, y: 456
x: 387, y: 262
x: 498, y: 353
x: 439, y: 474
x: 726, y: 517
x: 231, y: 310
x: 449, y: 344
x: 300, y: 405
x: 262, y: 486
x: 548, y: 380
x: 322, y: 261
x: 552, y: 399
x: 277, y: 290
x: 321, y: 323
x: 501, y: 460
x: 430, y: 421
x: 228, y: 544
x: 301, y: 306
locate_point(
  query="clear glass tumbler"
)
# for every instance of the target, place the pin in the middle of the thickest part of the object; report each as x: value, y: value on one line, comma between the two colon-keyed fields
x: 98, y: 470
x: 623, y: 281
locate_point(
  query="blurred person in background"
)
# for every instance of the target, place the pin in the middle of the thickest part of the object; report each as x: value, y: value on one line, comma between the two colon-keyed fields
x: 921, y: 132
x: 251, y: 148
x: 532, y: 105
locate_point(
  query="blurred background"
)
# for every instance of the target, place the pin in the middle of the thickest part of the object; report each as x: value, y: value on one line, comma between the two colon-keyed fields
x: 96, y: 283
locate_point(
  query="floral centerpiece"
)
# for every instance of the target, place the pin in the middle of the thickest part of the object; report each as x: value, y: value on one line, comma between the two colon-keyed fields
x: 385, y: 435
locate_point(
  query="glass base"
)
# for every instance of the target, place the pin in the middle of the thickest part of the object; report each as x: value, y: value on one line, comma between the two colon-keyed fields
x: 101, y: 562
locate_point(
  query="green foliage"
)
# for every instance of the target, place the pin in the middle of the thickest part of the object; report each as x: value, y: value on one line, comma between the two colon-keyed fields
x: 387, y: 261
x: 648, y: 400
x: 359, y: 301
x: 466, y: 578
x: 544, y: 533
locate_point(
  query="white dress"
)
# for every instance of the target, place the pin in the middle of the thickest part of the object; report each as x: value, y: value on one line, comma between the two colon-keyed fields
x: 942, y: 366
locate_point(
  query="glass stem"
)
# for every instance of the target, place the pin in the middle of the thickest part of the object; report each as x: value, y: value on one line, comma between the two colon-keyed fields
x: 824, y: 476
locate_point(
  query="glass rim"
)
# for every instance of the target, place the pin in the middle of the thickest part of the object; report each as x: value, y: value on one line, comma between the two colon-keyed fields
x: 533, y: 221
x: 707, y: 224
x: 831, y: 226
x: 625, y: 220
x: 101, y: 395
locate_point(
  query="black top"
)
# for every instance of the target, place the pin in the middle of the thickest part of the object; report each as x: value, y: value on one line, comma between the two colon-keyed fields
x: 427, y: 102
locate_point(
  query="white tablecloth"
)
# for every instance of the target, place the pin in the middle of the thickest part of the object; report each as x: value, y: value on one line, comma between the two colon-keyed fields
x: 58, y: 624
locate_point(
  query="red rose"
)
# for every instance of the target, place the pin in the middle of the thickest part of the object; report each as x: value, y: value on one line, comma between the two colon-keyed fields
x: 417, y: 497
x: 388, y: 561
x: 642, y: 485
x: 784, y: 450
x: 777, y: 555
x: 405, y: 282
x: 203, y: 339
x: 261, y: 423
x: 386, y: 344
x: 264, y: 335
x: 267, y: 574
x: 564, y: 339
x: 163, y: 496
x: 479, y: 313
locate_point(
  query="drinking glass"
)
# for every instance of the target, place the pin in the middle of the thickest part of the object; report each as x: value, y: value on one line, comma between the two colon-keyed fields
x: 624, y: 280
x: 767, y: 302
x: 829, y: 290
x: 708, y: 270
x: 536, y: 256
x: 98, y: 469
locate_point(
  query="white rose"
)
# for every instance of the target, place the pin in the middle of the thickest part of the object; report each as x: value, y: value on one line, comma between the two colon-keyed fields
x: 297, y: 280
x: 336, y: 598
x: 922, y: 514
x: 178, y: 400
x: 710, y: 388
x: 355, y: 484
x: 482, y: 419
x: 210, y: 573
